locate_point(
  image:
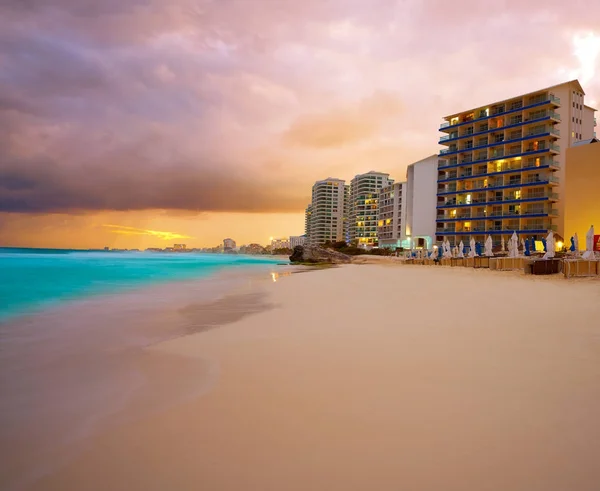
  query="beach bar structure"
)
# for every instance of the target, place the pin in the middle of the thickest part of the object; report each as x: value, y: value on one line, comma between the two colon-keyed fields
x: 502, y: 168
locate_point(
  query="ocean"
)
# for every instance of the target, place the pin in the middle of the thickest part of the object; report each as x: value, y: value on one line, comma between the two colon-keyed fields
x: 75, y: 333
x: 31, y: 279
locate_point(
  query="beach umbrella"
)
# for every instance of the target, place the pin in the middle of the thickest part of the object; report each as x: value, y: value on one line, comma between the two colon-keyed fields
x: 544, y: 244
x: 488, y: 246
x: 502, y: 247
x: 523, y: 245
x: 477, y: 249
x: 572, y: 248
x: 549, y: 246
x: 515, y: 245
x: 472, y: 252
x: 589, y: 244
x: 576, y: 240
x: 461, y: 249
x: 527, y: 251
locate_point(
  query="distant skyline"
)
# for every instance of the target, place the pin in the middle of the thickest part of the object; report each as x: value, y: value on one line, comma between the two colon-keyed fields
x: 140, y: 123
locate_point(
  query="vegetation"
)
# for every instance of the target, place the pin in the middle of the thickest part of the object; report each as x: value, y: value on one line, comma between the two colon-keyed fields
x: 353, y: 250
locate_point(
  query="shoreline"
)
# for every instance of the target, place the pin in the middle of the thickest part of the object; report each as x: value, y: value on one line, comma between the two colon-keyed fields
x: 91, y: 368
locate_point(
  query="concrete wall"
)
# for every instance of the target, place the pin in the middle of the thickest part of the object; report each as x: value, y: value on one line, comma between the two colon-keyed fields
x: 582, y: 191
x: 588, y: 130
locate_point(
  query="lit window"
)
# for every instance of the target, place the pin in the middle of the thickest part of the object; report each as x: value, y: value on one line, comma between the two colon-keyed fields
x: 468, y: 199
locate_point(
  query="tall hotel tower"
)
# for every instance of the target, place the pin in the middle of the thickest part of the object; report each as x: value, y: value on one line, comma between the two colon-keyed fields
x: 363, y: 207
x: 503, y: 168
x: 326, y: 215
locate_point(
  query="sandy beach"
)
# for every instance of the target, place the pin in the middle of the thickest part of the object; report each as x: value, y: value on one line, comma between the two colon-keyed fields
x: 383, y: 377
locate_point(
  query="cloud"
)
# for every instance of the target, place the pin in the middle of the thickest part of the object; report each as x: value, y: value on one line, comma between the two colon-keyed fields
x: 33, y: 186
x: 123, y: 230
x: 237, y: 105
x: 345, y: 125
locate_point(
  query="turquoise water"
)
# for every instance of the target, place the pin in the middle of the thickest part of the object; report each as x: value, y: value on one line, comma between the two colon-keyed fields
x: 31, y: 279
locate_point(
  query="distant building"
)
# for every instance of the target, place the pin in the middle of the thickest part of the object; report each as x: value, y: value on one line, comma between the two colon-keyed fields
x: 307, y: 217
x: 179, y: 247
x: 326, y: 215
x: 297, y: 240
x: 582, y: 190
x: 362, y: 204
x: 391, y: 213
x: 280, y: 244
x: 229, y: 245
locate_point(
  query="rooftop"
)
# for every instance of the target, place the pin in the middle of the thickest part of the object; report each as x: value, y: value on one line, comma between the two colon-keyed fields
x: 576, y: 82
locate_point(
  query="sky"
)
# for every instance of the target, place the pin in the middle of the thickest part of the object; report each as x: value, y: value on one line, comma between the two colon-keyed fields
x: 140, y: 123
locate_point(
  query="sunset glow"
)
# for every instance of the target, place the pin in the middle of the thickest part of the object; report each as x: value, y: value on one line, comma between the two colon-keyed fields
x: 213, y: 118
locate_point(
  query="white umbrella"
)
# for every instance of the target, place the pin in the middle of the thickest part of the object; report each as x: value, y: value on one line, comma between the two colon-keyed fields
x: 461, y: 247
x: 550, y: 246
x: 488, y: 247
x: 576, y: 242
x: 514, y: 248
x: 447, y: 250
x: 472, y: 252
x: 589, y: 244
x: 502, y: 248
x: 523, y: 245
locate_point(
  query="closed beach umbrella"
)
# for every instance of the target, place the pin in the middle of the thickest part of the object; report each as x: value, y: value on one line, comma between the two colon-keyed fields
x: 478, y: 248
x: 523, y: 245
x: 549, y: 246
x: 589, y: 244
x: 461, y: 249
x: 576, y: 241
x: 544, y: 244
x: 527, y: 251
x: 572, y: 248
x: 515, y: 245
x: 502, y: 248
x: 488, y: 246
x: 472, y: 251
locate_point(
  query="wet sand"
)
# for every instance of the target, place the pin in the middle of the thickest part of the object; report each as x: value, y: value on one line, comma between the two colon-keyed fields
x: 372, y: 377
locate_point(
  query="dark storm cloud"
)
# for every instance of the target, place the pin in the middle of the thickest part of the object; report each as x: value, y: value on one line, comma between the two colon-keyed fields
x: 42, y: 186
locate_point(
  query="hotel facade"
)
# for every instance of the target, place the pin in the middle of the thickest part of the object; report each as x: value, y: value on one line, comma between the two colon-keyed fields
x: 503, y: 168
x: 325, y: 218
x: 363, y: 207
x: 391, y: 215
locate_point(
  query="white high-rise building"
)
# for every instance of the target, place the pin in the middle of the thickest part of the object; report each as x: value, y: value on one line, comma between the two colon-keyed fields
x: 420, y: 202
x: 363, y: 200
x: 297, y: 240
x: 326, y: 215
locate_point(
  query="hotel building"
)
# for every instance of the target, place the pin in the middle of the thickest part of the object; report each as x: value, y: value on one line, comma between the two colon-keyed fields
x: 363, y: 210
x: 391, y: 215
x: 503, y: 168
x: 283, y: 243
x: 326, y: 215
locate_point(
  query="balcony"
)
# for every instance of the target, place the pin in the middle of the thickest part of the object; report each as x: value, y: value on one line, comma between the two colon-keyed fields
x: 550, y: 98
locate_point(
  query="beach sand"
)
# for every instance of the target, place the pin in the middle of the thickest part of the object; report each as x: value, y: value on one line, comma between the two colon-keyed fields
x: 377, y: 377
